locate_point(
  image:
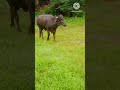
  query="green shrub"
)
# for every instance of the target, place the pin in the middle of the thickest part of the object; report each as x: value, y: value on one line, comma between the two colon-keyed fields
x: 63, y: 6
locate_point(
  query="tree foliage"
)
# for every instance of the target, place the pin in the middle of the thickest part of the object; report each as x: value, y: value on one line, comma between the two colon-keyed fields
x: 63, y: 6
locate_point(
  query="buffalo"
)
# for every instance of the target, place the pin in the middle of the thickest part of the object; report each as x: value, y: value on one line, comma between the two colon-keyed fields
x: 49, y: 23
x: 27, y: 6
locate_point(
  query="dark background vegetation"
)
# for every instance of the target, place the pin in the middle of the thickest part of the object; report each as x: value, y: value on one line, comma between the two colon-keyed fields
x: 64, y: 7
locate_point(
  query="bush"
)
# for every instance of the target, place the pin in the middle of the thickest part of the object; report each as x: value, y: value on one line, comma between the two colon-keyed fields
x: 63, y: 6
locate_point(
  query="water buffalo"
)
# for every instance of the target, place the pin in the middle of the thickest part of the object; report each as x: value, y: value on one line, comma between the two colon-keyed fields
x: 27, y: 6
x: 49, y: 23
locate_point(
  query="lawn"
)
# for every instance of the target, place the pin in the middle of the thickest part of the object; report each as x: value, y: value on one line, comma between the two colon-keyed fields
x: 60, y: 65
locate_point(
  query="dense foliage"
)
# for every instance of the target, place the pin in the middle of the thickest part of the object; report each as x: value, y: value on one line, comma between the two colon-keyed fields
x: 63, y: 6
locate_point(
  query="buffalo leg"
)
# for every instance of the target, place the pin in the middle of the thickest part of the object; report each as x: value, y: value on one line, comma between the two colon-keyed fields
x: 12, y: 17
x: 54, y: 35
x: 17, y: 20
x: 41, y: 33
x: 48, y: 34
x: 32, y: 19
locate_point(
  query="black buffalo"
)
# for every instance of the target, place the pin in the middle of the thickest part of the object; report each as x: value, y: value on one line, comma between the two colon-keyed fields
x: 27, y: 6
x: 49, y: 23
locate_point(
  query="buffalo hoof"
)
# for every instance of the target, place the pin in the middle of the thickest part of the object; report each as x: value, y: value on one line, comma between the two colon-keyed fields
x: 12, y: 25
x: 19, y: 30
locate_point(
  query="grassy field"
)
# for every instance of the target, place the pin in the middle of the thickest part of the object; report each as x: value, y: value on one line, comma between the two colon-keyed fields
x: 60, y: 65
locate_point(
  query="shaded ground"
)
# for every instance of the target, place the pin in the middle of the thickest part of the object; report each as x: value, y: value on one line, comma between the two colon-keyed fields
x: 16, y: 53
x: 102, y: 45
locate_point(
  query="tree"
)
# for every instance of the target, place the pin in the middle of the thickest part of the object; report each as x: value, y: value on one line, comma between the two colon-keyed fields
x: 63, y: 6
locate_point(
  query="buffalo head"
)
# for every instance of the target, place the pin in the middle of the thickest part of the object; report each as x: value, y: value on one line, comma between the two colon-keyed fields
x: 60, y: 21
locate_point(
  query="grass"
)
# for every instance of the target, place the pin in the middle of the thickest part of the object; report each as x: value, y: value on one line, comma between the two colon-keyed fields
x: 60, y: 65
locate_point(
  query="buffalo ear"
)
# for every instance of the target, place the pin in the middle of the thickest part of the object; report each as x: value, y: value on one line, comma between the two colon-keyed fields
x: 57, y: 18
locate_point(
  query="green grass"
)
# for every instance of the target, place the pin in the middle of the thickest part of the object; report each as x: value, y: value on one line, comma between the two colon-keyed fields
x: 60, y: 65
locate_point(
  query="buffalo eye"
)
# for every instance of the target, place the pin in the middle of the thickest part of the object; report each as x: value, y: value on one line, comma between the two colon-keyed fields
x: 60, y: 19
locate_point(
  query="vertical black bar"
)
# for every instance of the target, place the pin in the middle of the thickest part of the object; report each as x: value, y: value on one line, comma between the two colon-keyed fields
x: 17, y: 50
x: 102, y: 45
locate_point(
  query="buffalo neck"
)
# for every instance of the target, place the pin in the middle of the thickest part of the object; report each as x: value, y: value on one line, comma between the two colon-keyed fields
x: 55, y: 26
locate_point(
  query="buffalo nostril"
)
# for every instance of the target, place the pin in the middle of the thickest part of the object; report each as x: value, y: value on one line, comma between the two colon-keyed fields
x: 64, y: 24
